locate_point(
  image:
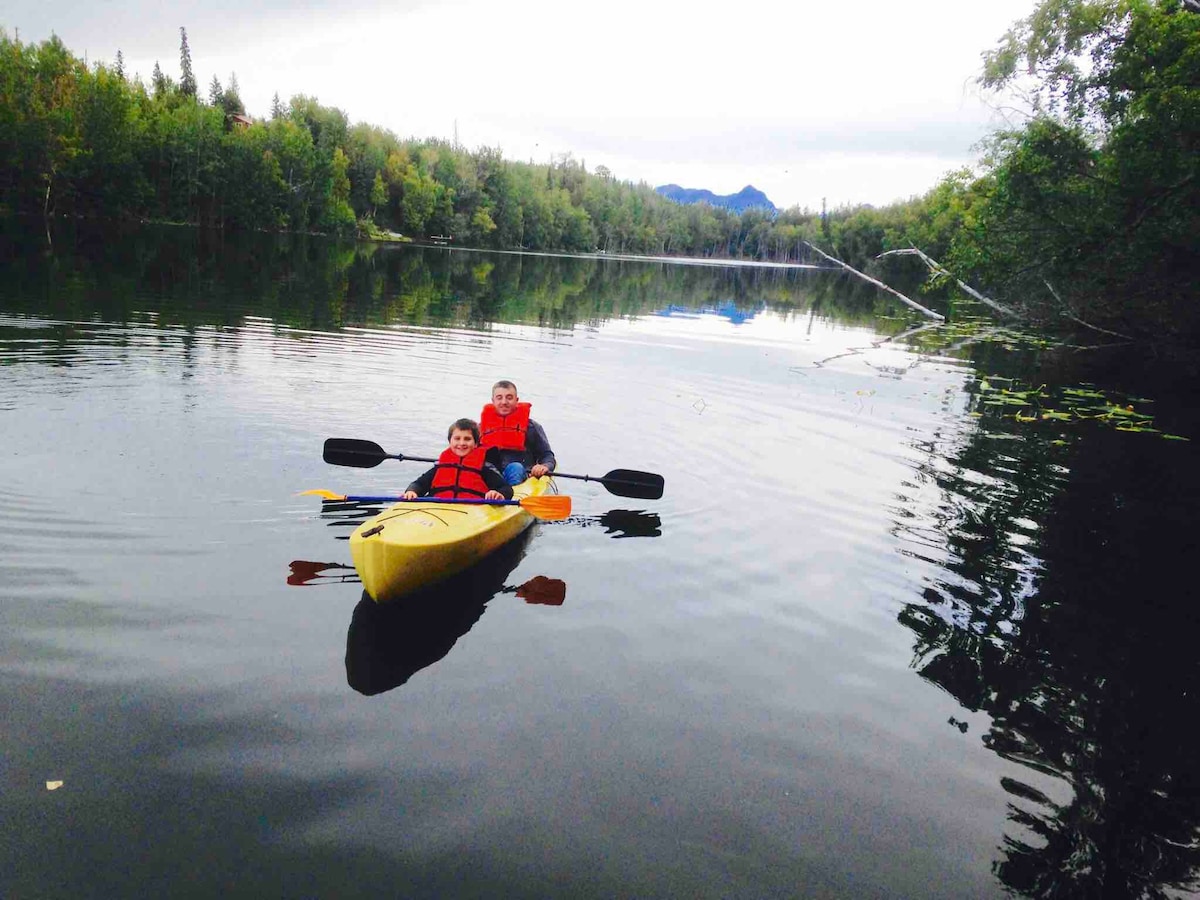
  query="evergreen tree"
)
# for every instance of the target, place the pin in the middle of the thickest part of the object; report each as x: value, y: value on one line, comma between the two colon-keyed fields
x: 187, y: 80
x: 276, y: 107
x: 119, y: 68
x: 232, y: 100
x: 159, y: 82
x: 216, y: 96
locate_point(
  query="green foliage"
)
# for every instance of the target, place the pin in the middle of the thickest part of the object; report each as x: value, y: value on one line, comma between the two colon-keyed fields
x: 1090, y: 210
x: 111, y: 148
x: 1101, y: 202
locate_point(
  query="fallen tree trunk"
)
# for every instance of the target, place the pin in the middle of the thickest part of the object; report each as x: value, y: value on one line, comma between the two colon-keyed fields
x: 938, y: 269
x: 879, y: 284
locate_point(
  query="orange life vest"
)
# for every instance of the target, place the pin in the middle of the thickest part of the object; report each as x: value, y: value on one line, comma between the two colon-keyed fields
x: 459, y: 476
x: 506, y: 432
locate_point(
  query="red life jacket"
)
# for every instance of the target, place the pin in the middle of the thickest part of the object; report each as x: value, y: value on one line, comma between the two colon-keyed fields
x: 506, y: 432
x: 459, y: 476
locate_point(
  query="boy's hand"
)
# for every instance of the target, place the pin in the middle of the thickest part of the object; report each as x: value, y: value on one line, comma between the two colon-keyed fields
x: 410, y: 495
x: 538, y: 471
x: 493, y: 495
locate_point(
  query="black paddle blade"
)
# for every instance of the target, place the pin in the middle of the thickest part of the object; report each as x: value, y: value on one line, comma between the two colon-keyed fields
x: 351, y: 452
x: 631, y: 483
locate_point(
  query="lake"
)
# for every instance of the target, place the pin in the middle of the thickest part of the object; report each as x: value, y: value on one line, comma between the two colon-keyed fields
x: 914, y: 618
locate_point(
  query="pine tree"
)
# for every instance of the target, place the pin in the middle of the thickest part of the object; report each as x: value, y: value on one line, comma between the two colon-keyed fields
x: 233, y: 100
x: 159, y: 82
x: 119, y: 68
x: 187, y: 81
x: 276, y: 107
x: 216, y: 96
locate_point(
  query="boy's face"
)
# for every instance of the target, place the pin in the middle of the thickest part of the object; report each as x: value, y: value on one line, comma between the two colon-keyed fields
x: 505, y: 400
x: 462, y: 442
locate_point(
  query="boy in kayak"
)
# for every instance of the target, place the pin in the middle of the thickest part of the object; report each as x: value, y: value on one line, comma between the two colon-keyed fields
x: 461, y: 470
x: 515, y: 443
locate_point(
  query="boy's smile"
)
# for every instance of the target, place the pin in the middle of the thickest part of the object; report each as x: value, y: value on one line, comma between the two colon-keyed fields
x: 462, y: 442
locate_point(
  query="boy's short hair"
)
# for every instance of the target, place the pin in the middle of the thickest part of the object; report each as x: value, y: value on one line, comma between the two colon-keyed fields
x: 464, y: 425
x: 504, y: 383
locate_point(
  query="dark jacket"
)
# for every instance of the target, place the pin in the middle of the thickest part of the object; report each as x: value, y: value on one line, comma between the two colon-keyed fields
x: 491, y: 477
x: 537, y: 450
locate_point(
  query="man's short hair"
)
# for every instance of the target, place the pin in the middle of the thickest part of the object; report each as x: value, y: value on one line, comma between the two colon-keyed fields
x: 464, y: 425
x: 505, y: 384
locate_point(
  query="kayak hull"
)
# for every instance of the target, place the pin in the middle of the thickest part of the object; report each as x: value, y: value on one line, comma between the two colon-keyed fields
x: 420, y: 544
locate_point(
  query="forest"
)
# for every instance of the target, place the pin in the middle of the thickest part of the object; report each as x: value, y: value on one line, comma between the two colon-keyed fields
x: 1086, y: 212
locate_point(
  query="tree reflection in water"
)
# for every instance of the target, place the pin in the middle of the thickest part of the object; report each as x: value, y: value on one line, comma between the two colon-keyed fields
x: 1064, y: 611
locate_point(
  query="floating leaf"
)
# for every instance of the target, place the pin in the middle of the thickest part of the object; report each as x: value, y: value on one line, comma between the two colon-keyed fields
x: 53, y: 785
x: 1176, y: 437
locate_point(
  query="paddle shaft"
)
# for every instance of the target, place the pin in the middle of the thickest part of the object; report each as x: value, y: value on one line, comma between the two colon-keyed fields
x: 477, y: 501
x: 367, y: 454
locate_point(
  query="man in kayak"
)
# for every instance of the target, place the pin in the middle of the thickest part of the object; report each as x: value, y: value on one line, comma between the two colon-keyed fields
x: 515, y: 443
x: 462, y: 470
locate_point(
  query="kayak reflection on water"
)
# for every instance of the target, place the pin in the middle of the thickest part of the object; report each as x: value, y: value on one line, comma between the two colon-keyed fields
x: 389, y: 643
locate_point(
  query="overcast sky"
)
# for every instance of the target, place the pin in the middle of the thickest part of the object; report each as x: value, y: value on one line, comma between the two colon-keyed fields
x: 857, y: 102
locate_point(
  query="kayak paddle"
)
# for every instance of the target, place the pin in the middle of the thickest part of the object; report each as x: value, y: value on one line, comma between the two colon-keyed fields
x: 547, y: 506
x: 625, y: 483
x: 368, y: 454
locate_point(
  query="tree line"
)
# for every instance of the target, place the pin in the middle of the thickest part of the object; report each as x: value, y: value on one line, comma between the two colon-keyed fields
x: 80, y: 140
x: 1088, y: 210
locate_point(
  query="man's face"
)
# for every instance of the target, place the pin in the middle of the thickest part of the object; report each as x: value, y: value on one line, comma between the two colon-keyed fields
x: 505, y: 400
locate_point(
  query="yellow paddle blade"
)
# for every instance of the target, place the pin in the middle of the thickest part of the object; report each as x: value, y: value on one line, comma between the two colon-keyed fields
x: 548, y: 506
x: 318, y: 492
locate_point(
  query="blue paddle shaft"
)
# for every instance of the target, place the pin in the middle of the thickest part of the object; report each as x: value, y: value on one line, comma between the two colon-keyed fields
x: 479, y: 501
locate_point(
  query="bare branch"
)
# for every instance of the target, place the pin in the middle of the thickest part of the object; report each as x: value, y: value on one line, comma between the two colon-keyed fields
x: 938, y: 269
x: 1067, y: 313
x: 879, y: 284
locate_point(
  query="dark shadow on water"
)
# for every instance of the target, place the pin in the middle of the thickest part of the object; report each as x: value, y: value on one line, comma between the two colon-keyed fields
x: 1065, y: 612
x: 619, y: 523
x: 388, y: 643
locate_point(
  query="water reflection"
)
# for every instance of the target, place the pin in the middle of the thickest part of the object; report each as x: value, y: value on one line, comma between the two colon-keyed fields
x: 619, y: 523
x: 193, y: 278
x: 306, y: 573
x: 1062, y: 611
x: 737, y: 315
x: 389, y: 643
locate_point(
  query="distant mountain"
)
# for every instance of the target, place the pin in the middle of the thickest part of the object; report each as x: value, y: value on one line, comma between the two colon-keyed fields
x: 747, y: 198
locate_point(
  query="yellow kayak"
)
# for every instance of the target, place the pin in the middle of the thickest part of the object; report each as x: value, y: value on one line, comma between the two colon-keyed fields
x: 413, y: 545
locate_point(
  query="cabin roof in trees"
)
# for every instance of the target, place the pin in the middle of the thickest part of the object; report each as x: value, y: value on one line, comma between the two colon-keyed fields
x: 241, y: 121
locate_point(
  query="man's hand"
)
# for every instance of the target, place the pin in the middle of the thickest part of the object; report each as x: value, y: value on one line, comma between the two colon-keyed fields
x: 410, y: 495
x: 538, y: 471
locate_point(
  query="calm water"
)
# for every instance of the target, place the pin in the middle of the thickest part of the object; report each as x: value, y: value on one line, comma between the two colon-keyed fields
x: 879, y: 639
